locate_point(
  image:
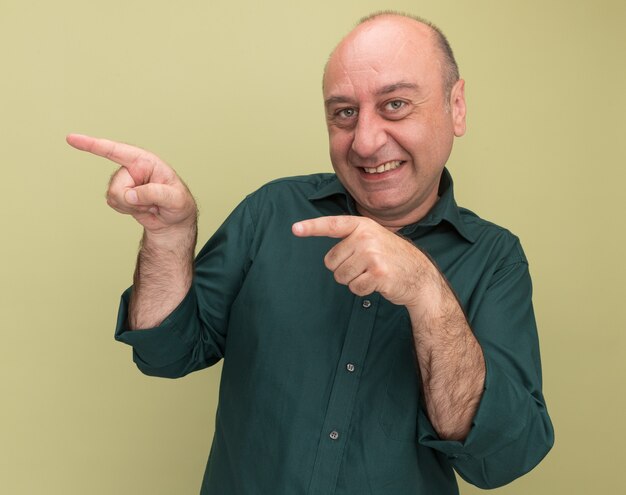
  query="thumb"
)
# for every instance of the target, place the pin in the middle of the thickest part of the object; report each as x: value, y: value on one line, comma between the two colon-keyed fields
x: 150, y: 194
x: 131, y: 197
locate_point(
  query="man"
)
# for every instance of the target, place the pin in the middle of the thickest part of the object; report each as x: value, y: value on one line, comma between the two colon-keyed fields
x: 412, y: 353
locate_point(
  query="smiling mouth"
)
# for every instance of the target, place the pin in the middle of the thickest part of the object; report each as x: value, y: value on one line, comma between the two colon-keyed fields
x: 385, y: 167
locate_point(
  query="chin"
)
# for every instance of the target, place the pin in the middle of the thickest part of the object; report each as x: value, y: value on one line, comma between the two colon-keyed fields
x: 380, y: 209
x: 385, y: 202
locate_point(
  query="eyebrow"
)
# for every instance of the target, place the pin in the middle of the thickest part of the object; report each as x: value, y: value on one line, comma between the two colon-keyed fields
x: 336, y: 99
x: 390, y: 88
x: 385, y: 90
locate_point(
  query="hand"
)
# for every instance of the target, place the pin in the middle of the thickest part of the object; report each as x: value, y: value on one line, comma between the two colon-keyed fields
x: 144, y: 186
x: 369, y: 258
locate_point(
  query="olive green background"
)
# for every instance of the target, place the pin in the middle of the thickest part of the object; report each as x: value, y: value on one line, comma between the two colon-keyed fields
x: 229, y: 93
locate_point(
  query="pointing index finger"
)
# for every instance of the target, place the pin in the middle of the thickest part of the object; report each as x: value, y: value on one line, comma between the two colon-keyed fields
x: 333, y: 226
x: 120, y: 153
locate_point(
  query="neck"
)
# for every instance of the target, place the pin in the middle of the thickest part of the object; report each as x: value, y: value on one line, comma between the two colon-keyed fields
x: 393, y: 222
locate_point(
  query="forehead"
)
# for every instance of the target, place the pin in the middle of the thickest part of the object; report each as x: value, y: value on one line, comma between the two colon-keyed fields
x: 380, y: 53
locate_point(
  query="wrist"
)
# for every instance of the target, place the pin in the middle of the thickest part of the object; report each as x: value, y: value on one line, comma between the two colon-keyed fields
x: 429, y: 285
x: 179, y: 238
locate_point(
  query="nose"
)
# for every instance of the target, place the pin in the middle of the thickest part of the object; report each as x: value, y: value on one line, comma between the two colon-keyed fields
x: 369, y: 135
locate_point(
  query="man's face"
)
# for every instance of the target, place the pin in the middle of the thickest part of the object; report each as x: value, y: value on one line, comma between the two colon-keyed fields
x: 390, y: 124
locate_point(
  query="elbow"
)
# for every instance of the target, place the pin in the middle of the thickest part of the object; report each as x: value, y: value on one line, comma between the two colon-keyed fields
x: 179, y: 368
x: 512, y: 461
x: 176, y: 369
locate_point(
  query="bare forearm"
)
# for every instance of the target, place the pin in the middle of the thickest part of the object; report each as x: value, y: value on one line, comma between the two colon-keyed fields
x: 162, y: 277
x: 450, y: 359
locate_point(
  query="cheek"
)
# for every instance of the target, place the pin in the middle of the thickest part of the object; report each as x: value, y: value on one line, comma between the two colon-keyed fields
x: 339, y: 145
x: 426, y: 141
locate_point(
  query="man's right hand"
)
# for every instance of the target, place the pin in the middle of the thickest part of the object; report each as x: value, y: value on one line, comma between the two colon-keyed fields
x: 149, y: 190
x: 144, y: 187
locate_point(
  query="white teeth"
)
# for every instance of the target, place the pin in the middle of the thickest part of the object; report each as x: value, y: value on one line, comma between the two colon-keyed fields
x: 383, y: 168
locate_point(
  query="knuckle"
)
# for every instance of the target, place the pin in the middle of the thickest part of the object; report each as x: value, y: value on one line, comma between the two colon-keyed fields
x: 366, y: 237
x: 145, y: 163
x: 143, y: 159
x: 378, y: 266
x: 333, y: 224
x: 110, y: 153
x: 347, y: 274
x: 359, y: 287
x: 379, y: 273
x: 111, y: 199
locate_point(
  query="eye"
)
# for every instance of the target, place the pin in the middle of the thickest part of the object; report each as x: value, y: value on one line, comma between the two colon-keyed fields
x: 395, y: 105
x: 346, y: 113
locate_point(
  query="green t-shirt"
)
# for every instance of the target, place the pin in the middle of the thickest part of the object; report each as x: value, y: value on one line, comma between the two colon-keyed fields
x: 320, y: 391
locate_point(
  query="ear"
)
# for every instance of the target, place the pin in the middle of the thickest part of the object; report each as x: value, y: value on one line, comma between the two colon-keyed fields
x: 458, y: 108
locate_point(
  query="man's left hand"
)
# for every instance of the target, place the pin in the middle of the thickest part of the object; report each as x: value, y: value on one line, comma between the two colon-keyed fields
x: 369, y: 258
